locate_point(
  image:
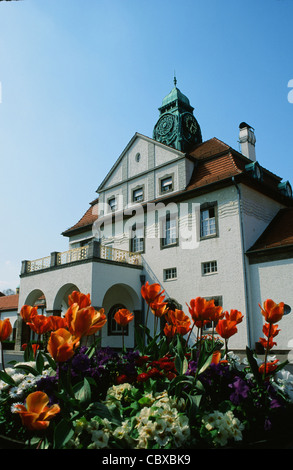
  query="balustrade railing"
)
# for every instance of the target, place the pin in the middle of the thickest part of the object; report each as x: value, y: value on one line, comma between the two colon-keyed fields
x: 115, y: 254
x: 38, y: 264
x: 76, y: 254
x: 82, y: 253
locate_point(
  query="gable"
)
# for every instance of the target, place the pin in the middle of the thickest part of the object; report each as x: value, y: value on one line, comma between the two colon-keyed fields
x: 141, y: 155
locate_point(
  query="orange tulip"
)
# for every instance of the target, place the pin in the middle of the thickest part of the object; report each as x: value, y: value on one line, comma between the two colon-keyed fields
x: 180, y: 321
x: 57, y: 322
x: 62, y: 345
x: 35, y: 415
x: 158, y: 307
x: 40, y: 324
x: 271, y: 311
x: 268, y: 367
x: 98, y: 321
x: 5, y: 329
x: 123, y: 317
x: 83, y: 300
x: 226, y: 328
x: 267, y: 343
x: 79, y: 321
x: 234, y: 315
x: 27, y: 312
x: 270, y: 330
x: 150, y: 292
x: 169, y: 330
x: 216, y: 357
x: 202, y: 310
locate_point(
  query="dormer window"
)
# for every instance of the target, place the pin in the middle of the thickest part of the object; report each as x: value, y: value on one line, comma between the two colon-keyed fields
x: 255, y: 170
x: 285, y: 188
x: 166, y: 184
x: 137, y: 195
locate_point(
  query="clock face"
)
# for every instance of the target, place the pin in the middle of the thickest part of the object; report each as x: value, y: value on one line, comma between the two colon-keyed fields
x: 190, y: 125
x: 165, y: 124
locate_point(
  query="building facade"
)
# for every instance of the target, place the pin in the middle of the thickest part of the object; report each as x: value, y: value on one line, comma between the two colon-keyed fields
x: 198, y: 217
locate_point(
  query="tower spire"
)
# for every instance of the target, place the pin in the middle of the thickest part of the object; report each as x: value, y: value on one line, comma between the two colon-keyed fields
x: 175, y: 79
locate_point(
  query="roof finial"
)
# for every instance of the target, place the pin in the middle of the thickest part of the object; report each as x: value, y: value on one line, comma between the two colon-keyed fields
x: 175, y: 79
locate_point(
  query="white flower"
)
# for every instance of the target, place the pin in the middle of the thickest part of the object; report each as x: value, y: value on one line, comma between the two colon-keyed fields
x: 100, y: 439
x: 15, y: 392
x: 122, y: 431
x: 227, y: 425
x: 14, y: 408
x: 17, y: 377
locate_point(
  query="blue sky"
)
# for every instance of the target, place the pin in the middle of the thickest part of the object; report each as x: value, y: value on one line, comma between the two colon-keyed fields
x: 80, y: 77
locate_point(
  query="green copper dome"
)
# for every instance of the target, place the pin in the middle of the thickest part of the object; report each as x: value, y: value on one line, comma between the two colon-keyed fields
x: 175, y: 94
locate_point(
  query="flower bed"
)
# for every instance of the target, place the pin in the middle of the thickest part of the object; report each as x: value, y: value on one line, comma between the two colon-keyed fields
x: 169, y: 392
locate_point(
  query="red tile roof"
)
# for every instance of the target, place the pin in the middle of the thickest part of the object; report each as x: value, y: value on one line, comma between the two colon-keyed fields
x: 215, y: 162
x: 9, y: 302
x: 278, y: 234
x: 87, y: 219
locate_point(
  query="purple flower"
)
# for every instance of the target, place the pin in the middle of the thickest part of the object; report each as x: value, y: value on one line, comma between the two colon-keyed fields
x: 81, y: 362
x: 240, y: 390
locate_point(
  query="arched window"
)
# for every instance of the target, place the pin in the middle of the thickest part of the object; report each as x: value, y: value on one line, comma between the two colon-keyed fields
x: 113, y: 328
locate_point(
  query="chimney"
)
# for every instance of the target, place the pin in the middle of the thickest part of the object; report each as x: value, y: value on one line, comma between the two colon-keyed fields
x: 247, y: 141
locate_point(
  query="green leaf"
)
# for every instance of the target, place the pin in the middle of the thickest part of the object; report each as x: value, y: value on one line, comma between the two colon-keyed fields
x: 27, y: 368
x: 82, y: 391
x: 6, y: 378
x: 253, y: 365
x: 28, y: 354
x: 178, y: 364
x: 62, y: 434
x: 205, y: 364
x: 40, y: 362
x: 50, y: 360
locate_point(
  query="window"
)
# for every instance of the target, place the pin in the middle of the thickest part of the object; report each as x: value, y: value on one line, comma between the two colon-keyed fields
x: 170, y: 273
x: 208, y: 225
x: 137, y: 195
x: 113, y: 328
x: 112, y: 204
x: 166, y: 184
x: 169, y: 231
x: 210, y: 267
x: 137, y: 239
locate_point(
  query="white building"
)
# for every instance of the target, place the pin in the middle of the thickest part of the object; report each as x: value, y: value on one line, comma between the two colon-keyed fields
x: 198, y: 217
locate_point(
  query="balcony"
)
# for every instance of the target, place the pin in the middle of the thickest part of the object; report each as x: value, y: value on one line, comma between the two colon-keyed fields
x: 92, y: 251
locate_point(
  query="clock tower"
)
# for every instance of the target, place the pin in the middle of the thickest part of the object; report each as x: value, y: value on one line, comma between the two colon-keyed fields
x: 177, y: 126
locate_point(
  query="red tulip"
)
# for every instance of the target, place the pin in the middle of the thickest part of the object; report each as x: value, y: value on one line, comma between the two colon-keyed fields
x: 76, y: 297
x: 234, y: 315
x: 202, y: 310
x: 40, y: 324
x: 123, y: 317
x: 268, y: 367
x: 226, y: 328
x: 150, y: 292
